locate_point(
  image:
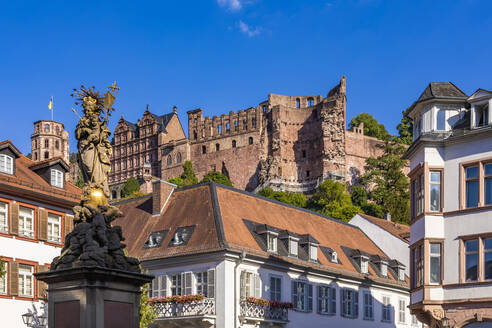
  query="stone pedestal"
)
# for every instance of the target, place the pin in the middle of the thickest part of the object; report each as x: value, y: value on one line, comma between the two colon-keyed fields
x: 93, y: 297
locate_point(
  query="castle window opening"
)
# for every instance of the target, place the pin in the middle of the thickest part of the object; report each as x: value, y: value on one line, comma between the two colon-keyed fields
x: 264, y: 108
x: 194, y: 135
x: 219, y: 129
x: 250, y: 140
x: 46, y: 143
x: 233, y: 143
x: 178, y: 158
x: 114, y: 194
x: 46, y: 155
x: 35, y: 156
x: 253, y: 123
x: 46, y: 128
x: 245, y: 124
x: 307, y: 173
x: 204, y: 149
x: 298, y: 103
x: 228, y: 127
x: 304, y: 154
x: 169, y: 160
x: 310, y: 102
x: 235, y: 125
x: 217, y: 147
x: 57, y: 144
x: 57, y: 129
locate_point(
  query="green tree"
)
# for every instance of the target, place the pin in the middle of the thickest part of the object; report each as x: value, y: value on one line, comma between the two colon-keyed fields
x: 358, y: 195
x: 73, y: 157
x: 177, y: 181
x: 80, y: 181
x: 332, y: 199
x: 131, y: 186
x: 296, y: 199
x: 189, y: 178
x: 405, y: 129
x: 372, y: 127
x: 147, y: 313
x: 372, y: 209
x: 389, y: 185
x: 29, y: 156
x: 217, y: 177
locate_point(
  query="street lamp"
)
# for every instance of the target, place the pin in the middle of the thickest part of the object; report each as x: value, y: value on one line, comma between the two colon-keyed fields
x: 445, y: 322
x: 33, y: 320
x: 28, y: 318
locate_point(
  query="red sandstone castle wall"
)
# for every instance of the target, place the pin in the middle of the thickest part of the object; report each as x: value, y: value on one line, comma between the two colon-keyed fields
x: 358, y: 148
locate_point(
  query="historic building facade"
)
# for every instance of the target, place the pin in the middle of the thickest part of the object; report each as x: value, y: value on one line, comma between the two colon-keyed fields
x: 235, y: 259
x: 451, y: 207
x: 49, y: 140
x: 36, y: 203
x: 287, y: 143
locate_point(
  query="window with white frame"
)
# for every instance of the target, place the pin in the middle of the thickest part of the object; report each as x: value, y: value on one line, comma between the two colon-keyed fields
x: 4, y: 221
x: 54, y: 228
x: 293, y: 246
x: 350, y: 303
x: 26, y: 227
x: 313, y: 252
x: 275, y: 288
x: 250, y: 285
x: 3, y: 279
x: 368, y: 306
x: 302, y: 296
x: 435, y: 263
x: 25, y: 280
x: 386, y: 309
x: 435, y: 191
x: 159, y: 287
x: 6, y: 164
x: 272, y: 242
x: 401, y: 311
x: 364, y: 265
x: 327, y: 300
x: 176, y: 285
x: 56, y: 178
x: 384, y: 268
x: 202, y: 283
x: 415, y: 322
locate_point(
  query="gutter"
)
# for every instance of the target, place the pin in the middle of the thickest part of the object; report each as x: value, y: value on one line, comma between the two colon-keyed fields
x: 238, y: 262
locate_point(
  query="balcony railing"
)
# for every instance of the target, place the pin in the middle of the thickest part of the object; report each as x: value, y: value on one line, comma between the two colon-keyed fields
x: 255, y: 312
x: 205, y: 307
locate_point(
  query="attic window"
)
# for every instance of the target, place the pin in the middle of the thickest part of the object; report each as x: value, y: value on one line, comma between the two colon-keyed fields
x: 6, y: 164
x: 155, y: 239
x: 181, y: 236
x: 272, y: 242
x: 383, y: 267
x: 313, y: 252
x: 293, y: 246
x: 56, y: 178
x: 334, y: 257
x: 364, y: 264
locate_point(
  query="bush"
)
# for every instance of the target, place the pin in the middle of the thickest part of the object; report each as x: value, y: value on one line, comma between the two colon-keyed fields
x: 131, y: 186
x: 296, y: 199
x: 217, y: 177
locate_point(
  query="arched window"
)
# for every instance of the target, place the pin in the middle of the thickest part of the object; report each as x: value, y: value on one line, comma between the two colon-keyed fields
x: 35, y: 156
x: 57, y: 129
x: 250, y: 140
x: 178, y: 158
x: 264, y: 108
x: 217, y: 147
x: 47, y: 128
x: 441, y: 120
x: 219, y: 128
x: 235, y: 125
x: 169, y: 160
x: 194, y: 135
x: 228, y: 127
x: 204, y: 149
x: 57, y: 144
x: 233, y: 143
x: 298, y: 103
x: 310, y: 102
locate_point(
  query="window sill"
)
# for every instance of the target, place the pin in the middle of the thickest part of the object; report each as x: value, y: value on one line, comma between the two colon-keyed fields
x: 31, y: 239
x: 327, y: 313
x: 469, y: 210
x: 369, y: 319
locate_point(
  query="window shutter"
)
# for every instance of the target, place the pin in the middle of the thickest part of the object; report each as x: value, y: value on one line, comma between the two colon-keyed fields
x: 42, y: 286
x: 211, y: 283
x: 187, y: 276
x: 356, y: 304
x: 42, y: 219
x: 333, y: 300
x: 14, y: 278
x: 294, y: 295
x: 257, y: 286
x: 309, y: 297
x: 342, y: 300
x: 14, y: 218
x: 320, y: 308
x: 68, y: 225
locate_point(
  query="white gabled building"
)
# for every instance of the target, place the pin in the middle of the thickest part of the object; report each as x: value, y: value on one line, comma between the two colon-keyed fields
x: 251, y: 258
x: 451, y: 207
x: 35, y: 214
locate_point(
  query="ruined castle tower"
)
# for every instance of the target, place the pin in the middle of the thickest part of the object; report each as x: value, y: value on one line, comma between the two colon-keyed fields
x: 49, y: 140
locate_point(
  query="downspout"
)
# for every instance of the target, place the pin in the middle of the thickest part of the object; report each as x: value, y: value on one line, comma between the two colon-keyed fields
x: 238, y: 262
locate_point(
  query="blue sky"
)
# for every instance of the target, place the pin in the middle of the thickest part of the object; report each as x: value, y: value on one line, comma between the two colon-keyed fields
x: 224, y: 55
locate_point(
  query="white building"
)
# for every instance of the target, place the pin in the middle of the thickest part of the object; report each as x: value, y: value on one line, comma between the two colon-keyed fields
x: 393, y: 238
x: 240, y: 251
x: 35, y: 214
x: 451, y: 207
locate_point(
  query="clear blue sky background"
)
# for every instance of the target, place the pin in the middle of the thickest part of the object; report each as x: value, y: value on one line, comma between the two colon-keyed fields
x: 226, y: 55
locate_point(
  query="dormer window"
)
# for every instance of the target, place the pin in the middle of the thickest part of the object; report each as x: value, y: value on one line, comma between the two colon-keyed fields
x: 56, y: 178
x: 334, y: 257
x: 383, y: 267
x: 401, y: 274
x: 293, y: 246
x: 6, y: 164
x: 272, y: 242
x: 313, y: 252
x: 364, y: 264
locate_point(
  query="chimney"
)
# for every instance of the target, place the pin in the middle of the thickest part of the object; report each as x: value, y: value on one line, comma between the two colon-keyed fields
x: 387, y: 216
x: 161, y: 192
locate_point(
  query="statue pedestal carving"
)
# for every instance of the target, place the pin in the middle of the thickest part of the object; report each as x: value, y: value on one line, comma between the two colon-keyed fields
x: 93, y: 297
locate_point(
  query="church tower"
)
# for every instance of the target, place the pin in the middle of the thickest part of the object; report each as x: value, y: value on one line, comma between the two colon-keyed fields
x: 49, y: 140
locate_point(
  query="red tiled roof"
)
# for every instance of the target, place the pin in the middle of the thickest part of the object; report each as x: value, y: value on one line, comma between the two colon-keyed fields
x: 218, y: 213
x: 399, y: 230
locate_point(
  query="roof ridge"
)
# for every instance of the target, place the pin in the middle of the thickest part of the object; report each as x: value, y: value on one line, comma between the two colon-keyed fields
x: 219, y: 226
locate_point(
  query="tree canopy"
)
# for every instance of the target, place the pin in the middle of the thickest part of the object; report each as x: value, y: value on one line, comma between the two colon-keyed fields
x: 359, y: 197
x: 147, y: 313
x: 332, y: 199
x: 217, y: 177
x: 388, y: 184
x: 405, y: 129
x: 131, y: 186
x: 189, y: 178
x: 372, y: 128
x: 296, y: 199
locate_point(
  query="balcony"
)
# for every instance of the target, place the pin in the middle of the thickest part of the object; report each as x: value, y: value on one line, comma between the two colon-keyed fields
x: 189, y: 314
x: 256, y: 314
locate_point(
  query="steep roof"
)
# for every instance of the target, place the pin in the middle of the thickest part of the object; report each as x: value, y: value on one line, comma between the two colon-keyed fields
x: 26, y: 183
x: 440, y: 90
x: 162, y: 120
x: 400, y: 231
x: 220, y: 217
